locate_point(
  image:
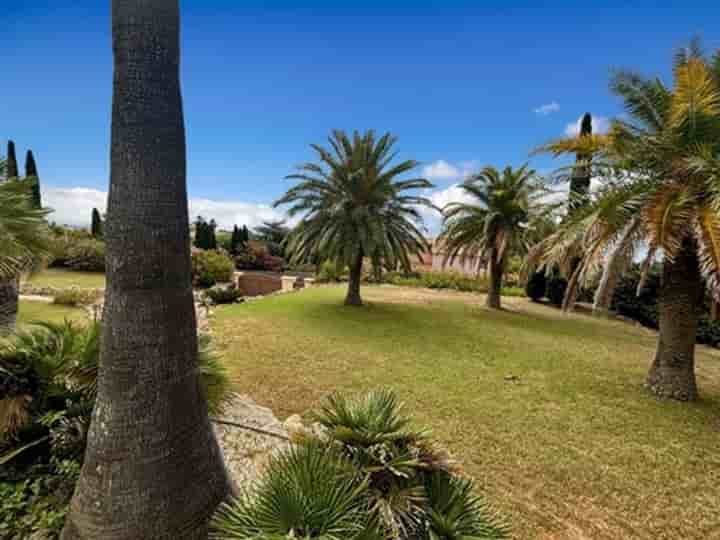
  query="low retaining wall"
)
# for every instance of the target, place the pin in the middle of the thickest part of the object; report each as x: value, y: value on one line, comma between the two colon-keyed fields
x: 251, y: 284
x: 263, y: 284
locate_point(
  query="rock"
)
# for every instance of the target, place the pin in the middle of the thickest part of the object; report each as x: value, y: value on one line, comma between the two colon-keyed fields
x: 247, y: 452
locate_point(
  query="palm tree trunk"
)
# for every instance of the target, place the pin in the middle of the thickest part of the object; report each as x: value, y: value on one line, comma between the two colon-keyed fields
x: 152, y: 468
x: 616, y: 264
x: 672, y: 374
x: 353, y: 292
x: 8, y: 305
x: 496, y: 275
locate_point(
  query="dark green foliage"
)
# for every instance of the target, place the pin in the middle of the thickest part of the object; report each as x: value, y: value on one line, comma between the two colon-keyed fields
x: 36, y: 503
x: 31, y: 175
x: 536, y: 286
x: 644, y: 308
x: 236, y: 241
x: 586, y: 125
x: 556, y: 287
x: 205, y: 234
x: 96, y: 225
x: 211, y: 267
x: 223, y: 295
x: 580, y: 177
x: 11, y: 164
x: 273, y: 234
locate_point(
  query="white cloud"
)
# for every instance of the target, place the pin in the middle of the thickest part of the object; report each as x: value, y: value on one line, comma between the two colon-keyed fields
x: 440, y: 170
x: 73, y: 206
x: 600, y: 125
x: 443, y: 170
x: 547, y: 108
x: 452, y: 194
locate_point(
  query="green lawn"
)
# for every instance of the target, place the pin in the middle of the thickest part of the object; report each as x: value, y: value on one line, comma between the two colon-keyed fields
x: 32, y: 311
x: 61, y: 278
x: 573, y: 448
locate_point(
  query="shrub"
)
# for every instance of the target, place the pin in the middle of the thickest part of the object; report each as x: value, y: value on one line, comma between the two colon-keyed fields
x: 48, y: 384
x: 368, y: 467
x: 75, y: 296
x: 257, y: 256
x: 536, y: 286
x: 210, y: 267
x: 331, y: 272
x: 223, y: 295
x: 556, y: 286
x: 87, y: 255
x: 37, y: 503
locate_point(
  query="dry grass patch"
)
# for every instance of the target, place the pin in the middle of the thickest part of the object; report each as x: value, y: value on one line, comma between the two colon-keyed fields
x: 546, y: 411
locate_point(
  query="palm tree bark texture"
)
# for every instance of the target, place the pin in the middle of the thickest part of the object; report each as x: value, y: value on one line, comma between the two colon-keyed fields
x: 496, y: 268
x: 8, y: 304
x: 353, y: 293
x: 672, y: 374
x: 152, y: 468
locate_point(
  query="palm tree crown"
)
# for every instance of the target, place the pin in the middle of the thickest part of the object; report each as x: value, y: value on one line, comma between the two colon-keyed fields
x: 659, y: 172
x: 505, y: 216
x: 354, y: 205
x: 660, y: 189
x: 23, y: 238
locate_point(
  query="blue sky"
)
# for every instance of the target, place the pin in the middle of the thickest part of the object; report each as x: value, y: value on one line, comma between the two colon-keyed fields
x: 461, y: 84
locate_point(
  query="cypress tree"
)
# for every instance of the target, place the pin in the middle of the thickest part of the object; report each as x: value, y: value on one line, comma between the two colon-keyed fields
x: 245, y: 234
x: 96, y: 224
x: 11, y: 166
x: 211, y: 239
x: 31, y: 175
x: 235, y: 240
x: 199, y: 233
x: 580, y: 179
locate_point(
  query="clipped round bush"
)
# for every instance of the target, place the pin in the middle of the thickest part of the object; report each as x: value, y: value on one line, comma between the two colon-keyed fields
x: 210, y: 267
x: 75, y: 296
x: 223, y: 295
x: 536, y: 286
x: 331, y: 272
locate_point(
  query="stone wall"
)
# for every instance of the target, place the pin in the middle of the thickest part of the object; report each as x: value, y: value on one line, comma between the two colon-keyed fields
x: 257, y: 284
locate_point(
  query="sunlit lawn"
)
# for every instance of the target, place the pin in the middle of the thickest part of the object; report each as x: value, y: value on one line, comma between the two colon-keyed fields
x: 61, y: 278
x: 32, y: 311
x: 546, y: 411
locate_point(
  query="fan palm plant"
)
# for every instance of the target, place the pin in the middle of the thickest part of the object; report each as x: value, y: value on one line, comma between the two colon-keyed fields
x: 505, y: 216
x: 660, y: 197
x: 355, y: 205
x: 23, y: 243
x: 306, y: 492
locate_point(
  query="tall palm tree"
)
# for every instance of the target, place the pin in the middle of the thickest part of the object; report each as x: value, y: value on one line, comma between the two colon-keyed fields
x: 661, y: 191
x: 23, y: 242
x: 152, y: 466
x: 354, y: 205
x: 504, y: 218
